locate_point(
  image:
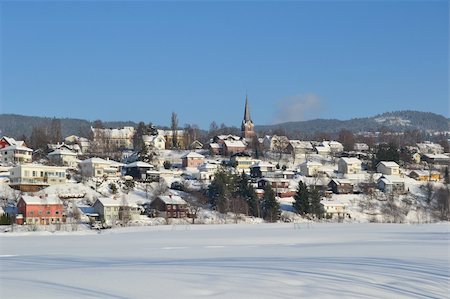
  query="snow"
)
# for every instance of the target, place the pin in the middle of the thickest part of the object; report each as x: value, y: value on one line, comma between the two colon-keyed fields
x: 297, y: 260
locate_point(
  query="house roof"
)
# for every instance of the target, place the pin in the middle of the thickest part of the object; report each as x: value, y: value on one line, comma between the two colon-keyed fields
x: 214, y: 145
x: 341, y: 181
x: 193, y: 155
x: 62, y: 152
x: 115, y: 202
x: 391, y: 179
x: 262, y: 164
x: 311, y: 163
x: 388, y: 164
x: 17, y: 147
x: 139, y: 164
x: 351, y: 160
x: 95, y: 160
x: 234, y: 143
x: 43, y: 200
x: 172, y: 200
x: 301, y: 144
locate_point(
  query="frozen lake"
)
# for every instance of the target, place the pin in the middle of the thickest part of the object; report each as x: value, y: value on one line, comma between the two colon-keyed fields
x: 230, y: 261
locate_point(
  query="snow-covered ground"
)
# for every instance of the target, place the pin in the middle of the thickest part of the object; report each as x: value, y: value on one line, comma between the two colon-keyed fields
x: 229, y: 261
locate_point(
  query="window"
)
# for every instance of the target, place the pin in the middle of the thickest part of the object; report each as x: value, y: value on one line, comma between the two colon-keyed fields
x: 31, y: 213
x: 48, y: 212
x: 34, y: 173
x: 40, y: 212
x: 56, y: 212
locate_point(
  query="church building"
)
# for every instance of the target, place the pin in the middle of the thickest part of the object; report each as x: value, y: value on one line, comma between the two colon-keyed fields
x: 247, y: 128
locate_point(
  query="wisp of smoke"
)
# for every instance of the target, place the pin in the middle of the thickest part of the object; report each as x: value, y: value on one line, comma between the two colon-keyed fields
x: 297, y: 108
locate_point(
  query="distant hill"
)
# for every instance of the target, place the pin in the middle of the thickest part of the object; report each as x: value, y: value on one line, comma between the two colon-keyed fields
x: 398, y: 121
x: 18, y: 125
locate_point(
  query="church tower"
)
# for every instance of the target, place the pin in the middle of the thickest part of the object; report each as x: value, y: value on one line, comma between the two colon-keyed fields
x: 247, y: 127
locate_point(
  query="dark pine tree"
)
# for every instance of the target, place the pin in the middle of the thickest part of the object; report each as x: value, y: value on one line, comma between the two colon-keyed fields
x: 270, y: 206
x: 301, y: 205
x: 317, y: 208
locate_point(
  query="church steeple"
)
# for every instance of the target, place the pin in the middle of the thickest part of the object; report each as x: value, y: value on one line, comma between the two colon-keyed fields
x: 247, y: 111
x: 247, y: 123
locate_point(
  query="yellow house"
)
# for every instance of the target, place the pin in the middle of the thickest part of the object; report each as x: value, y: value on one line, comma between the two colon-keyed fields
x: 243, y: 161
x: 425, y: 176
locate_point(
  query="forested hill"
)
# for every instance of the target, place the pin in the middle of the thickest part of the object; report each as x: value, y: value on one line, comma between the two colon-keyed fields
x: 18, y: 125
x: 398, y: 121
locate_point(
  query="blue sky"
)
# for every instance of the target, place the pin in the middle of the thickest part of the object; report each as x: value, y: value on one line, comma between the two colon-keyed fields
x: 141, y: 60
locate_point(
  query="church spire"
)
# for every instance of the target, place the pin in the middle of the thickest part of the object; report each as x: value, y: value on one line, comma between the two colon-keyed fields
x: 247, y: 124
x: 247, y: 111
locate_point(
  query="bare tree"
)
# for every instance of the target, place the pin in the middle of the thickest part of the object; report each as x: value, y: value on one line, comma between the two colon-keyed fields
x: 441, y: 204
x: 124, y: 212
x: 174, y: 128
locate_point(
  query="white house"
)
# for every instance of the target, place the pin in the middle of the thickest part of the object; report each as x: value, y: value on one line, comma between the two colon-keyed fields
x: 111, y: 210
x: 360, y: 147
x: 389, y: 183
x: 310, y: 168
x: 298, y: 147
x: 97, y: 167
x: 115, y: 138
x: 275, y: 143
x: 155, y: 141
x: 388, y: 168
x: 63, y: 157
x: 17, y: 154
x: 334, y: 209
x: 206, y: 171
x: 33, y: 177
x: 349, y: 165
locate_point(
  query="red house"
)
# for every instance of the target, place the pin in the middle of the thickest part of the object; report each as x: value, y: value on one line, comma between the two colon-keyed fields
x: 42, y: 210
x: 8, y: 141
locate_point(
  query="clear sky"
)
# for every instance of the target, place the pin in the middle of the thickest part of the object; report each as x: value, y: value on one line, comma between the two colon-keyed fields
x: 297, y: 60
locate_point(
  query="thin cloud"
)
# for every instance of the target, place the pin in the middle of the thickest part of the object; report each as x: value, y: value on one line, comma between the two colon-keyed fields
x: 297, y: 108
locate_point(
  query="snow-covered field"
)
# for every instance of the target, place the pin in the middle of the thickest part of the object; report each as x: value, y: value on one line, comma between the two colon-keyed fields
x: 229, y: 261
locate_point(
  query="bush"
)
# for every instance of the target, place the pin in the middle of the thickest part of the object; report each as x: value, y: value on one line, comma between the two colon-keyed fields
x: 167, y: 164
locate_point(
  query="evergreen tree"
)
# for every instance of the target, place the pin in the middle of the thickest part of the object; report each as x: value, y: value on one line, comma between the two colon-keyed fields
x: 253, y: 202
x: 270, y: 206
x: 301, y: 205
x: 317, y: 208
x: 147, y: 154
x: 138, y: 142
x: 220, y: 191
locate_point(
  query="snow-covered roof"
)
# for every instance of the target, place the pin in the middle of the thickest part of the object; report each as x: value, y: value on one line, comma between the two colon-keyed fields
x: 301, y: 144
x: 342, y: 181
x: 388, y: 164
x: 311, y: 163
x: 391, y: 179
x: 234, y: 143
x: 62, y: 152
x: 332, y: 204
x: 17, y: 147
x: 351, y: 160
x: 115, y: 202
x: 214, y: 145
x: 95, y: 160
x: 262, y: 164
x: 42, y: 200
x: 124, y: 133
x: 172, y: 200
x: 224, y: 137
x: 139, y: 164
x: 193, y: 155
x: 115, y: 163
x: 436, y: 156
